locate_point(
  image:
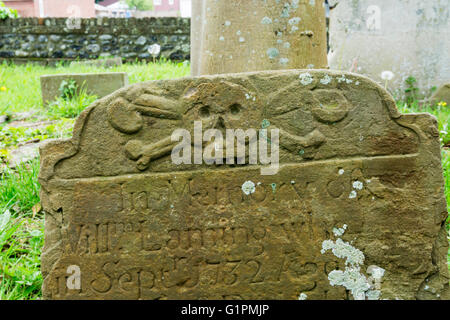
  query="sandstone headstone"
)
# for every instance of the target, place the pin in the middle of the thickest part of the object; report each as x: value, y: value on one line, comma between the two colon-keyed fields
x: 442, y: 94
x: 359, y: 195
x: 406, y: 37
x: 99, y: 84
x: 243, y: 35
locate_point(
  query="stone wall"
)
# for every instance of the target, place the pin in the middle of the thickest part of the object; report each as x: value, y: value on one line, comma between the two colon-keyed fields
x: 53, y: 39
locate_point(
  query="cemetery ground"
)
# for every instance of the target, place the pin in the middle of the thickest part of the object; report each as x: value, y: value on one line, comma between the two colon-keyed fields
x: 25, y: 122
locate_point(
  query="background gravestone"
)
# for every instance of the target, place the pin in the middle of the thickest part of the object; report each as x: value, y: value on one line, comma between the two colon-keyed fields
x: 442, y: 94
x: 359, y: 195
x: 98, y: 84
x: 104, y: 63
x: 252, y: 35
x: 406, y: 37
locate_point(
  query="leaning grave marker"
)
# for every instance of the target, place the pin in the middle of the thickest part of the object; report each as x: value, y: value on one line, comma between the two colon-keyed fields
x: 355, y: 176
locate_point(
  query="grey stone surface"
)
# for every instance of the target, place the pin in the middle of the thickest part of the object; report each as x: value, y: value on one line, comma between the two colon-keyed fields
x: 111, y: 62
x: 406, y: 37
x: 99, y: 84
x: 3, y: 118
x: 23, y: 154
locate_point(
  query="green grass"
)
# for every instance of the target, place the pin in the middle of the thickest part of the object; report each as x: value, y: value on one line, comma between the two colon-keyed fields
x: 441, y: 113
x: 23, y: 91
x: 70, y: 108
x: 21, y: 223
x: 21, y: 233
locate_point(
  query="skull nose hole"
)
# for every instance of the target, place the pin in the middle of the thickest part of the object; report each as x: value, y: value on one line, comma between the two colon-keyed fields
x: 220, y: 123
x: 204, y: 112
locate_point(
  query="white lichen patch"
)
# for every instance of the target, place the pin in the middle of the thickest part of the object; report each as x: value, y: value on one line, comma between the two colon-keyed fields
x: 302, y: 296
x: 358, y: 185
x: 376, y: 272
x: 352, y: 280
x: 266, y: 20
x: 285, y: 12
x: 341, y: 172
x: 222, y: 38
x: 361, y: 287
x: 306, y: 79
x: 241, y: 39
x: 353, y: 195
x: 294, y: 21
x: 248, y: 187
x: 284, y: 61
x: 344, y: 250
x: 227, y: 23
x: 250, y: 97
x: 339, y: 232
x: 326, y: 79
x: 273, y: 53
x: 342, y: 79
x: 373, y: 294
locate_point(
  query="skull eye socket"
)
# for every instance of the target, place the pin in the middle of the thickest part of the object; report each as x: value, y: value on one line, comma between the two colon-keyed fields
x: 204, y: 112
x: 235, y: 109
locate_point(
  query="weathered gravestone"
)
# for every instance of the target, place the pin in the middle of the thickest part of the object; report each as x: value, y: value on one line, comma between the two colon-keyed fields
x: 243, y: 35
x: 406, y: 37
x: 442, y: 94
x: 104, y: 63
x: 98, y: 84
x: 359, y: 195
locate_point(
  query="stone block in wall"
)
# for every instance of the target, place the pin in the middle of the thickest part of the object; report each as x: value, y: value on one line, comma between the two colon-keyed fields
x: 98, y: 84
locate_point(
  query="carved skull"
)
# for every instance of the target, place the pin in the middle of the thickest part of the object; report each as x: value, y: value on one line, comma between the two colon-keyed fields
x: 221, y: 106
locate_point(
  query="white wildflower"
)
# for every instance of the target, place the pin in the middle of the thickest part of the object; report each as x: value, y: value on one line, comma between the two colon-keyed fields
x: 387, y: 75
x: 154, y: 49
